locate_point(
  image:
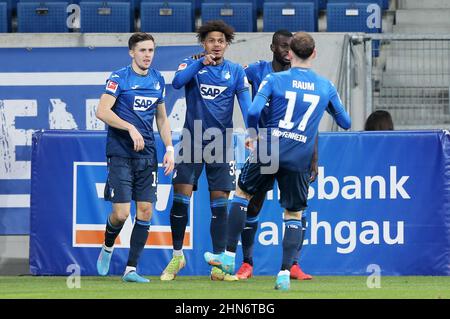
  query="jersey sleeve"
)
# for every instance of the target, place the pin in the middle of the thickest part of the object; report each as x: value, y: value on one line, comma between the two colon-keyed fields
x: 336, y: 108
x: 263, y: 95
x: 265, y: 88
x: 250, y: 72
x: 113, y: 85
x: 241, y: 81
x: 187, y: 69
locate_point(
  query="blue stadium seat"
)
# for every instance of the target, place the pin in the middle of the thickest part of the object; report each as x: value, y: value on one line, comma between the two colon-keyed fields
x: 166, y: 17
x: 381, y: 3
x: 131, y: 8
x: 42, y: 17
x: 165, y: 3
x: 252, y: 2
x: 352, y: 17
x: 259, y: 5
x: 291, y: 16
x: 349, y: 17
x: 322, y: 4
x: 10, y: 7
x: 316, y: 7
x: 105, y: 16
x: 239, y: 15
x: 196, y: 4
x: 3, y: 17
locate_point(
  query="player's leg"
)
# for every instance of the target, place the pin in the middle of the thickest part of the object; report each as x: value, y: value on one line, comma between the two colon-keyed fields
x: 236, y: 223
x: 248, y: 234
x: 138, y: 240
x: 144, y: 194
x: 118, y: 191
x: 293, y: 197
x: 249, y: 182
x: 221, y: 180
x: 114, y: 225
x: 219, y: 214
x: 184, y: 182
x: 296, y: 270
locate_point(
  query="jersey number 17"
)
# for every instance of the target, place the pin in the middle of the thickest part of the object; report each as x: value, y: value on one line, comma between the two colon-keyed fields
x: 292, y: 97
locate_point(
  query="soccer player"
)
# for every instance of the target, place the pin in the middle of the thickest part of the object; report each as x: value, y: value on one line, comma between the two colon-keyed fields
x: 211, y: 84
x: 256, y: 72
x: 297, y: 100
x: 133, y: 96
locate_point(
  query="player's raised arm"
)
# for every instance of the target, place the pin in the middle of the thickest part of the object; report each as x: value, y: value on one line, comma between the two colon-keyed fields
x: 188, y: 69
x: 243, y: 95
x: 260, y: 100
x: 337, y: 110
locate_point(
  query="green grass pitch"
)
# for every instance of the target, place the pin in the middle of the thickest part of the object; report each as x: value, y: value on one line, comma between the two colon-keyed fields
x: 260, y: 287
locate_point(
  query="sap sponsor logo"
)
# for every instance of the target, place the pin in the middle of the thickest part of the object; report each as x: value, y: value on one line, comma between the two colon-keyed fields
x: 143, y: 103
x: 210, y: 92
x: 112, y: 86
x: 346, y: 235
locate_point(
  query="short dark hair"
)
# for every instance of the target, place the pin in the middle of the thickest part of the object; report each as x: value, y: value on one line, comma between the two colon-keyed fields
x: 281, y: 32
x: 215, y: 25
x: 379, y: 120
x: 139, y: 37
x: 302, y: 45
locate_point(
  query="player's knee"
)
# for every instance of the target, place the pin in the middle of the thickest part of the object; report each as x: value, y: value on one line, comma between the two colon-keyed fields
x: 183, y: 189
x: 120, y: 215
x: 293, y: 215
x: 144, y: 211
x: 240, y: 193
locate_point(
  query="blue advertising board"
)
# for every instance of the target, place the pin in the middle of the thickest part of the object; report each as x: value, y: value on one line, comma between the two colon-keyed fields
x: 381, y: 198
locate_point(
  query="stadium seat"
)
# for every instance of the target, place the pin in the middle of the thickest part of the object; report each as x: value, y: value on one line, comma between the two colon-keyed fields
x: 239, y: 15
x: 252, y: 2
x: 322, y: 4
x: 351, y: 17
x: 316, y: 7
x: 3, y: 17
x: 105, y: 16
x: 42, y: 17
x: 166, y: 17
x: 11, y: 6
x: 381, y: 3
x: 131, y: 8
x: 292, y: 16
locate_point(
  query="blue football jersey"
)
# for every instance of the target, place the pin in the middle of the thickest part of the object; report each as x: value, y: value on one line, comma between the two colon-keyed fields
x: 256, y: 72
x: 297, y: 100
x: 137, y: 97
x: 210, y: 94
